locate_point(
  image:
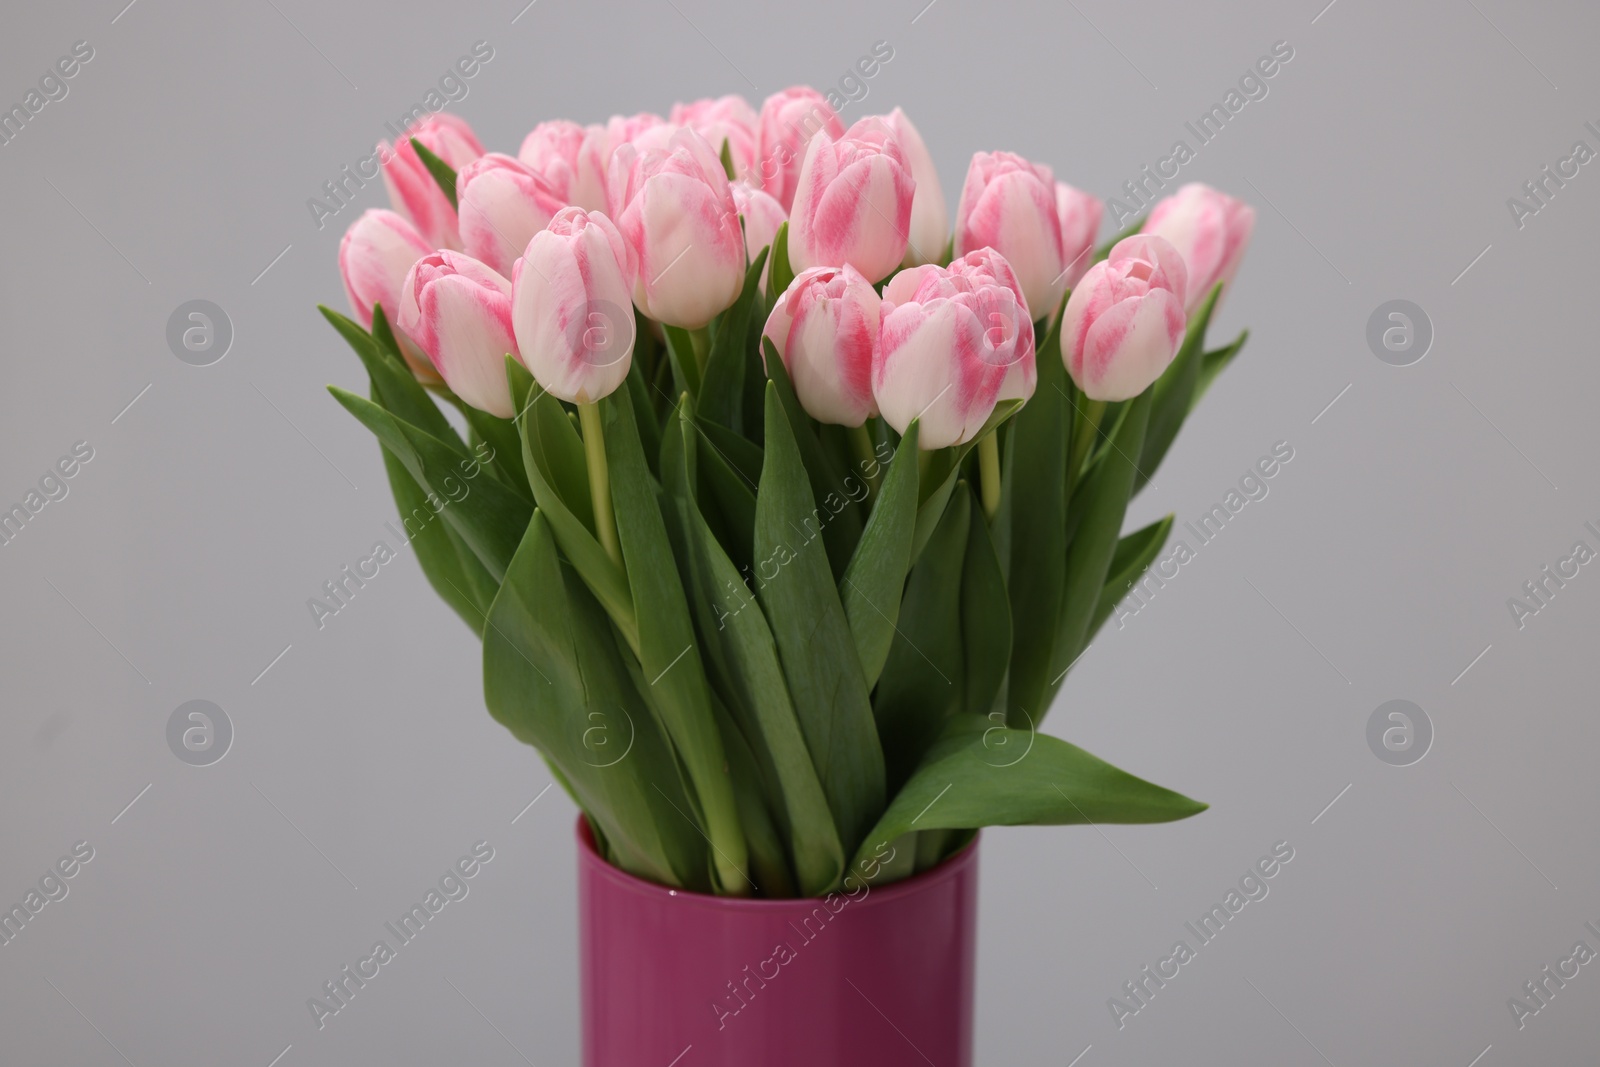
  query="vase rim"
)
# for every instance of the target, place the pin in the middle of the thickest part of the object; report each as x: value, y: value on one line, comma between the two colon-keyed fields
x: 588, y: 855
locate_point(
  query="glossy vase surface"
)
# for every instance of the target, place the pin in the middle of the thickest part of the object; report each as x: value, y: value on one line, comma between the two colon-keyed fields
x: 880, y: 977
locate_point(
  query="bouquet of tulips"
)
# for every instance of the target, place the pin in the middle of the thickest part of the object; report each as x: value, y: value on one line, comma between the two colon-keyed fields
x: 782, y: 512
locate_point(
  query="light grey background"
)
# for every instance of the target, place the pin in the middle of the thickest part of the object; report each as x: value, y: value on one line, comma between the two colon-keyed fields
x: 179, y: 565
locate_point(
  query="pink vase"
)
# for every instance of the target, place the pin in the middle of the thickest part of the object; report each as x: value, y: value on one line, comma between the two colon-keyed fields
x: 676, y: 979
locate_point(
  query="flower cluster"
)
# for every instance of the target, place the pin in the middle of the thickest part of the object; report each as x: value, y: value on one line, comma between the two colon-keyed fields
x: 543, y: 255
x: 767, y: 433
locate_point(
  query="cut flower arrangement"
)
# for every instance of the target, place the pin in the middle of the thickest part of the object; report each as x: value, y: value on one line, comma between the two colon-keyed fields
x: 783, y: 511
x: 799, y: 504
x: 792, y: 525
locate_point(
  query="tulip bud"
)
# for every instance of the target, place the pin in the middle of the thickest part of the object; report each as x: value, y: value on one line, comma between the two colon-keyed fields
x: 1125, y: 320
x: 852, y: 202
x: 729, y: 118
x: 678, y: 215
x: 762, y: 216
x: 988, y: 267
x: 625, y: 129
x: 572, y: 159
x: 1210, y: 231
x: 1080, y: 216
x: 502, y: 205
x: 459, y: 313
x: 412, y: 189
x: 825, y: 326
x: 572, y: 306
x: 950, y: 341
x: 788, y: 121
x: 375, y: 256
x: 1009, y: 204
x: 930, y: 226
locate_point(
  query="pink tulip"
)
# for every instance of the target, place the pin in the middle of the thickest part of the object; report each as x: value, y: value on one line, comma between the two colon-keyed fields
x: 572, y: 306
x: 678, y: 214
x: 1209, y: 229
x: 762, y: 216
x: 988, y: 267
x: 1080, y: 216
x: 852, y: 202
x: 1125, y: 320
x: 412, y: 189
x: 502, y: 205
x: 459, y: 313
x: 950, y: 342
x: 1009, y: 204
x: 623, y: 129
x: 572, y: 159
x: 729, y: 118
x: 788, y: 121
x: 375, y: 256
x: 825, y: 326
x: 930, y: 226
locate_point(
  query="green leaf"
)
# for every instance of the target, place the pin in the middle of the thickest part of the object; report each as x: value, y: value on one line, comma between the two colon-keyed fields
x: 796, y: 590
x: 449, y: 565
x: 1175, y: 391
x: 922, y: 683
x: 1134, y: 553
x: 985, y: 621
x: 442, y: 172
x: 876, y: 576
x: 504, y: 446
x: 488, y: 516
x: 727, y: 161
x: 768, y: 860
x: 668, y: 653
x: 781, y: 273
x: 680, y: 350
x: 1215, y: 362
x: 384, y: 334
x: 720, y: 398
x: 736, y: 452
x: 553, y: 676
x: 644, y: 414
x: 755, y: 374
x: 730, y: 492
x: 395, y: 389
x: 575, y: 536
x: 1104, y: 503
x: 831, y: 487
x: 558, y: 452
x: 1038, y: 540
x: 974, y: 778
x: 742, y: 660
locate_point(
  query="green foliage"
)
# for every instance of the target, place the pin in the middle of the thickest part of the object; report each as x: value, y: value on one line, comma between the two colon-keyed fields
x: 807, y: 642
x: 441, y: 172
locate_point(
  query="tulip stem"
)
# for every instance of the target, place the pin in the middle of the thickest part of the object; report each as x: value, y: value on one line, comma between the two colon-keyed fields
x: 700, y: 341
x: 866, y: 458
x: 989, y: 473
x: 1084, y: 429
x: 594, y: 448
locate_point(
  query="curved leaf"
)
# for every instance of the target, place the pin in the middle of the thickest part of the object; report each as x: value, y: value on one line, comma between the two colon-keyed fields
x: 922, y: 683
x: 668, y: 652
x: 552, y: 675
x: 796, y: 590
x: 487, y: 515
x: 876, y: 577
x: 972, y: 779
